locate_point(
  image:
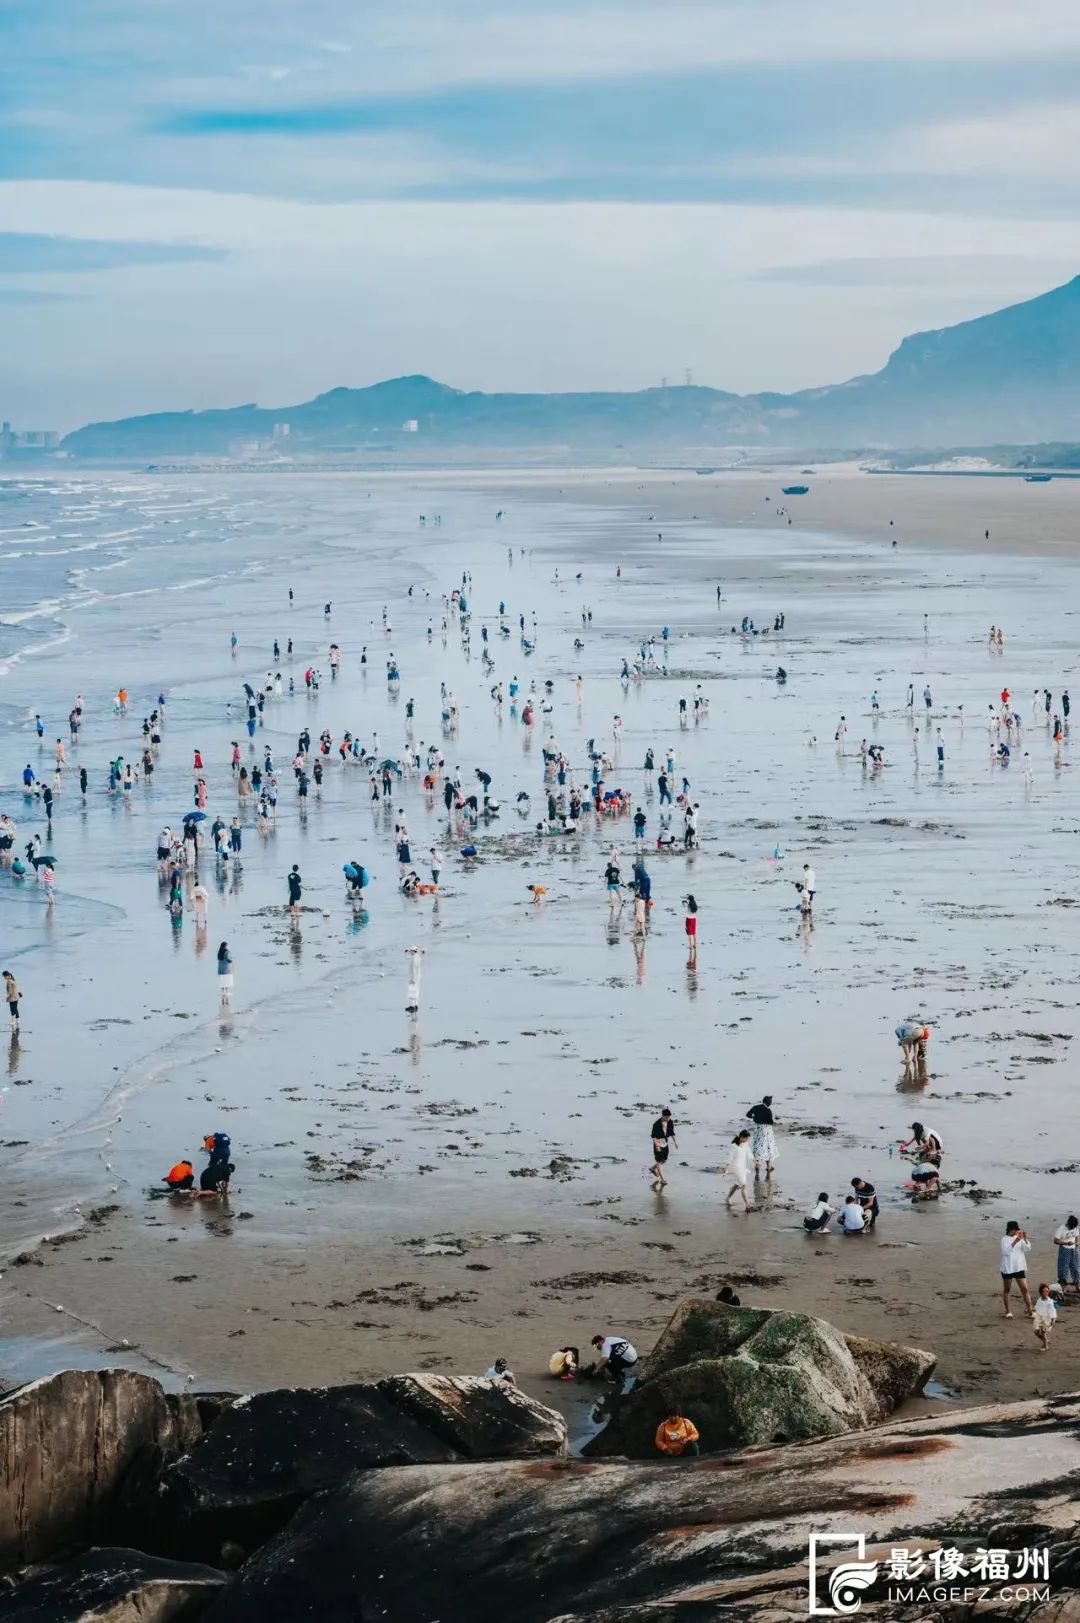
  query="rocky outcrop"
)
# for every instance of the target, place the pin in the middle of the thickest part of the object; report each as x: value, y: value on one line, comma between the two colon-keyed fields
x: 553, y: 1539
x: 749, y: 1376
x: 113, y: 1586
x: 479, y: 1420
x: 67, y: 1443
x: 267, y: 1453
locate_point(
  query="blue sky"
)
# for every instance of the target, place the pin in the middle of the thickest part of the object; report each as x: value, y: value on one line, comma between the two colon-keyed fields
x: 246, y: 199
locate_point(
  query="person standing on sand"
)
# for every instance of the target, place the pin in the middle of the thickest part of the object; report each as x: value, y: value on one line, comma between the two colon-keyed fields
x: 764, y: 1140
x: 738, y: 1169
x: 663, y: 1135
x: 690, y: 903
x: 1067, y: 1240
x: 12, y: 996
x: 1015, y: 1247
x: 225, y: 974
x: 296, y: 888
x: 412, y: 992
x: 1045, y: 1316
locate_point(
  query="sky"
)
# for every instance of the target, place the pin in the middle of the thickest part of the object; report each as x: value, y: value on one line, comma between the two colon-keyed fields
x: 221, y: 201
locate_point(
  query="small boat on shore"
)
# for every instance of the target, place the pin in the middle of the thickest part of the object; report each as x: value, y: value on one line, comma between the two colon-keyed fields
x: 795, y: 490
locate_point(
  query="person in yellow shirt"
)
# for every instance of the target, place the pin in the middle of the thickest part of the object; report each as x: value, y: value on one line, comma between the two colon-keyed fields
x: 676, y: 1436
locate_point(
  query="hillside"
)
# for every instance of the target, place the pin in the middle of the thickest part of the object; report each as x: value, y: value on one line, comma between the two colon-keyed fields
x: 1007, y: 377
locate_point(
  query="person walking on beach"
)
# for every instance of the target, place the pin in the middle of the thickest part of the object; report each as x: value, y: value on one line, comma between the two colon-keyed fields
x: 1015, y: 1247
x: 225, y: 974
x: 12, y: 996
x: 806, y: 887
x: 764, y: 1140
x: 738, y: 1169
x: 910, y: 705
x: 296, y: 888
x: 663, y: 1136
x: 1067, y: 1240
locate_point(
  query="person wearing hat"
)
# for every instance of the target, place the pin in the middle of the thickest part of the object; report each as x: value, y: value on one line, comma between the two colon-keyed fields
x: 616, y: 1357
x: 764, y: 1141
x: 501, y: 1373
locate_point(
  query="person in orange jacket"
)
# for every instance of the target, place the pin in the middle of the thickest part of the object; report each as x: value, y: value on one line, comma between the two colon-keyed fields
x: 676, y: 1436
x: 181, y: 1176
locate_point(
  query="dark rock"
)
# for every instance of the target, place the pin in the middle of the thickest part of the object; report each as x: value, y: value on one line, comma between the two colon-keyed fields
x: 540, y: 1540
x: 748, y: 1375
x: 266, y: 1454
x: 113, y: 1586
x: 478, y: 1419
x: 66, y: 1445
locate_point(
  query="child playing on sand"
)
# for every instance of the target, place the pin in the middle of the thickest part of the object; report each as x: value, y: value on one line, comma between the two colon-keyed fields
x: 1045, y: 1316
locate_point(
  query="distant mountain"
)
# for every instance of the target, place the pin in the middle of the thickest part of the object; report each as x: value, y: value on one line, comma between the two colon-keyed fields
x: 1009, y: 377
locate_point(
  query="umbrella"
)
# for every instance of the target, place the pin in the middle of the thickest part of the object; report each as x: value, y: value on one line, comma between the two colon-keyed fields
x: 44, y: 859
x: 389, y: 766
x: 194, y: 817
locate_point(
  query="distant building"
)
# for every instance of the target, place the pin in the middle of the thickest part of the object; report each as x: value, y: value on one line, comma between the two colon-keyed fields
x: 411, y: 425
x: 282, y: 431
x: 27, y: 439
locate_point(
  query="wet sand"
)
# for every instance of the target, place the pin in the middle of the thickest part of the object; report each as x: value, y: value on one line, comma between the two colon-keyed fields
x: 434, y: 1194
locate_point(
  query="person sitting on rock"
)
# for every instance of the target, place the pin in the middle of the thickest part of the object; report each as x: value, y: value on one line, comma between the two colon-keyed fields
x: 180, y: 1177
x: 565, y: 1363
x: 501, y: 1373
x: 676, y: 1435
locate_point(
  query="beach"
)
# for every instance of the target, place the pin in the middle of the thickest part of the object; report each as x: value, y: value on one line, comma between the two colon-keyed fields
x: 430, y: 1192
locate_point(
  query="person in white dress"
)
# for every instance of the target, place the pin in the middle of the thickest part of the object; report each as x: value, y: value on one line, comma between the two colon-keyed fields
x: 740, y: 1169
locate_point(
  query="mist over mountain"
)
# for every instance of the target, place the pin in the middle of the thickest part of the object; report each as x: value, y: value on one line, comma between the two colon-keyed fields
x: 1010, y: 376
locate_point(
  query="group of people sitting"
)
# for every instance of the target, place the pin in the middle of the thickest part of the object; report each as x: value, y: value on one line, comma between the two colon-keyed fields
x: 213, y: 1179
x: 860, y: 1210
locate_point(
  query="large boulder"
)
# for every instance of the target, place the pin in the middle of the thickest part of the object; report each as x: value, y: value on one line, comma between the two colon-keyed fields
x: 480, y: 1420
x: 66, y: 1444
x: 113, y: 1586
x: 540, y: 1540
x: 265, y: 1454
x: 748, y: 1375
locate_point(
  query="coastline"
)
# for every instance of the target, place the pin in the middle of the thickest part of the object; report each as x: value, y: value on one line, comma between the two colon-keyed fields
x: 343, y: 1279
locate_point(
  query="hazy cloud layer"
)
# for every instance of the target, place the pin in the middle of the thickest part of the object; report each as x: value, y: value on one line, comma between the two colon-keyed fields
x: 516, y: 196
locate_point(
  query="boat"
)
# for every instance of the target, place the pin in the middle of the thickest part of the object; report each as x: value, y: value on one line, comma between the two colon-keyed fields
x: 1037, y: 478
x: 795, y: 490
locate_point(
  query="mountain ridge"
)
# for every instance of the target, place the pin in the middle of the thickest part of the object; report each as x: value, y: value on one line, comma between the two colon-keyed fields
x: 1007, y: 376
